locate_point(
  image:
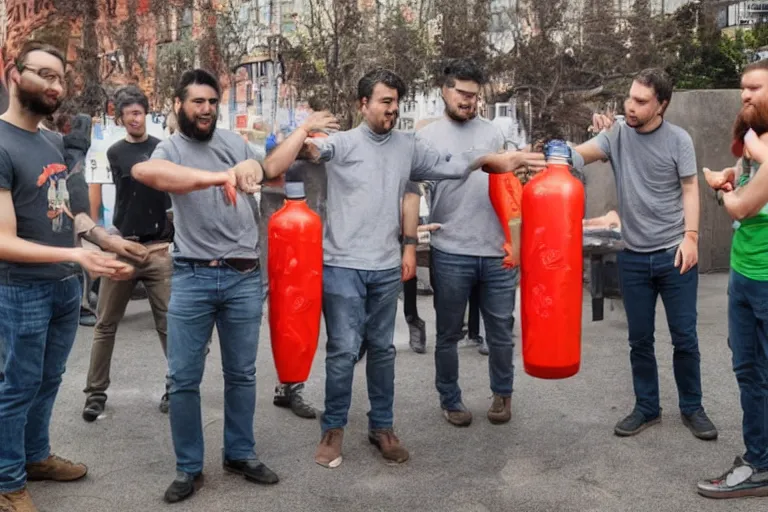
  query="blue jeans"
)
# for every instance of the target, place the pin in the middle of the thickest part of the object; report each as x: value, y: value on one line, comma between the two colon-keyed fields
x: 455, y: 276
x: 38, y: 324
x: 359, y: 305
x: 232, y: 300
x: 748, y: 339
x: 645, y: 276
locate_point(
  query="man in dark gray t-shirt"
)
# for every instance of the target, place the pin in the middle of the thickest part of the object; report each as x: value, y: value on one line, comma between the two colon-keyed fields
x: 657, y: 184
x: 43, y: 208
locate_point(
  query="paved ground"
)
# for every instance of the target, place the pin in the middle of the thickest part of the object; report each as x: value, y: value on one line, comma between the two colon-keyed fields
x: 557, y: 454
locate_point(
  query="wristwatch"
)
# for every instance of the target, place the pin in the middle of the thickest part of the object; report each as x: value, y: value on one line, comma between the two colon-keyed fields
x: 409, y: 240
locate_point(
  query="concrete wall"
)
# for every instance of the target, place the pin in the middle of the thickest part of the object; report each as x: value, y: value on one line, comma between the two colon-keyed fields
x: 707, y: 116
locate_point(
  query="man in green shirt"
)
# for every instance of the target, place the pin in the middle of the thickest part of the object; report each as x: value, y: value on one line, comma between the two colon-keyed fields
x: 748, y: 286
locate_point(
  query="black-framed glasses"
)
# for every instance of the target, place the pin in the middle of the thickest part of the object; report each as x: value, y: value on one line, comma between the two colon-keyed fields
x: 47, y: 74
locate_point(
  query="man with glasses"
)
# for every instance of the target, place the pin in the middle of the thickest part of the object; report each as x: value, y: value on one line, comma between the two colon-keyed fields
x: 43, y: 205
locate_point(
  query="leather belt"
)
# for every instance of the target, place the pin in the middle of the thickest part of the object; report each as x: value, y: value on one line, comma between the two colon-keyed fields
x: 239, y: 264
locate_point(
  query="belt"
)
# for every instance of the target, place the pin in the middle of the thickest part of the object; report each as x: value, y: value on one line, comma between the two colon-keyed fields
x: 239, y: 264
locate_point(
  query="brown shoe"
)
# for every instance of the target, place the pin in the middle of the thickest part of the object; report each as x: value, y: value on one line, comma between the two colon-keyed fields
x: 501, y: 409
x: 328, y: 453
x: 388, y: 444
x: 459, y: 417
x: 19, y: 501
x: 57, y: 469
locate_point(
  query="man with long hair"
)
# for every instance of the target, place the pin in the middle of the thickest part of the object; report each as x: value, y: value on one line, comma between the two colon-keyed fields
x: 742, y: 190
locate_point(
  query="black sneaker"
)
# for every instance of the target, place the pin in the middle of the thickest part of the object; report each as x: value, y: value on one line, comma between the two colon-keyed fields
x: 700, y: 425
x: 290, y: 395
x: 635, y: 423
x: 94, y: 407
x: 281, y: 398
x: 418, y: 332
x: 299, y: 406
x: 165, y: 404
x: 741, y: 481
x: 252, y: 470
x: 183, y: 487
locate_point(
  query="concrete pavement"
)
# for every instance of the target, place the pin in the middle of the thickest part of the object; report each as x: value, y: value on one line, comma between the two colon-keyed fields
x: 557, y: 454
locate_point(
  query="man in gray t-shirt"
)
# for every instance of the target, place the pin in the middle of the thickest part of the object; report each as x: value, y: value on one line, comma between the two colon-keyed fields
x: 368, y: 168
x: 467, y: 252
x: 210, y: 174
x: 656, y: 179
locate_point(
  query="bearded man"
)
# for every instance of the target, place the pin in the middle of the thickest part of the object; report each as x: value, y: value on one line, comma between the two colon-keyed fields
x: 211, y: 175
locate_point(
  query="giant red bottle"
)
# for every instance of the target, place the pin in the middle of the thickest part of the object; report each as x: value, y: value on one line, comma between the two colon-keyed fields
x: 295, y: 261
x: 505, y: 192
x: 551, y: 269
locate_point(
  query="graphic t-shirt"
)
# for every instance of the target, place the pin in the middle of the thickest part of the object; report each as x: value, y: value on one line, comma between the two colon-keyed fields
x: 46, y: 197
x: 749, y: 249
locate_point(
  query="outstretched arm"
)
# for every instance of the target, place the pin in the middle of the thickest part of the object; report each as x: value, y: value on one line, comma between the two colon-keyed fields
x: 297, y: 145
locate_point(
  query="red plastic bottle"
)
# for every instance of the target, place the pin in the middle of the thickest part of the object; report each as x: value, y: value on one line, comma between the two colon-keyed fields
x: 506, y: 194
x: 295, y: 284
x: 551, y: 270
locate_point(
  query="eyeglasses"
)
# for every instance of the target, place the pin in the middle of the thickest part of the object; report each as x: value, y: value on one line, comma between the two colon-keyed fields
x: 49, y: 75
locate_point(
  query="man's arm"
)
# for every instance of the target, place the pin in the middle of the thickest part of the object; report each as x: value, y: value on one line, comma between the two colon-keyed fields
x: 410, y: 233
x: 296, y: 146
x: 597, y: 148
x: 687, y: 255
x: 411, y: 203
x: 690, y: 186
x: 429, y: 164
x: 169, y: 177
x: 747, y: 200
x: 587, y: 153
x: 18, y: 250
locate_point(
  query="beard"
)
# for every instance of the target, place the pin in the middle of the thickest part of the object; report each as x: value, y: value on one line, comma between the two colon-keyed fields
x: 35, y: 103
x: 189, y: 127
x: 750, y: 116
x: 457, y: 115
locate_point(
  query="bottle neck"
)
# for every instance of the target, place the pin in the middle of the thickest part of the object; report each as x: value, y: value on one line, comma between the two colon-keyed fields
x: 558, y: 161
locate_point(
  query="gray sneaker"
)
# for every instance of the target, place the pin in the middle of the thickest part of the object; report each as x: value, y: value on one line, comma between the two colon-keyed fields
x: 483, y: 348
x: 741, y: 481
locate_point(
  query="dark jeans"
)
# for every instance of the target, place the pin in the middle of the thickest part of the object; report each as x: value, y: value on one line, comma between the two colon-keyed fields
x: 748, y: 339
x: 202, y: 297
x: 359, y: 305
x: 455, y: 276
x: 473, y: 324
x: 645, y: 276
x: 410, y: 293
x: 38, y: 324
